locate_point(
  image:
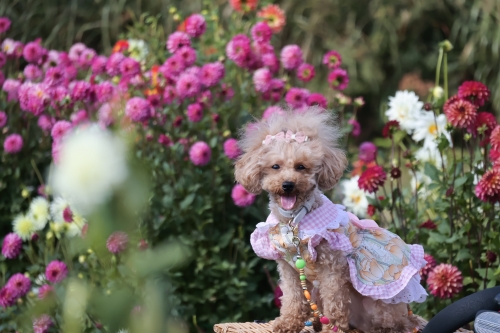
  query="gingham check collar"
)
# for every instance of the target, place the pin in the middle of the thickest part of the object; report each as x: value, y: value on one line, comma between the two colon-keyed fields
x: 299, y: 213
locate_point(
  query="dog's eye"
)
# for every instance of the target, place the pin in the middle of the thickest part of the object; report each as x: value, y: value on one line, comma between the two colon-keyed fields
x: 300, y: 167
x: 275, y: 167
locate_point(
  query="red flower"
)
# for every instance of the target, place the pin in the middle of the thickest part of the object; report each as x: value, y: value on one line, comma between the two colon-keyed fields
x: 491, y: 256
x: 494, y: 154
x: 495, y: 138
x: 359, y: 166
x: 243, y: 5
x: 395, y: 173
x: 274, y: 16
x: 431, y: 263
x: 445, y: 281
x: 474, y: 91
x: 460, y: 113
x: 372, y: 178
x: 428, y: 225
x: 371, y: 210
x: 484, y: 124
x: 120, y: 46
x: 389, y: 128
x: 488, y: 187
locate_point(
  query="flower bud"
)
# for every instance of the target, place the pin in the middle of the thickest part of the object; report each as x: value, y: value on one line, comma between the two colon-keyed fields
x: 177, y: 17
x: 359, y: 101
x: 428, y: 107
x: 446, y: 45
x: 437, y: 92
x: 172, y: 10
x: 467, y: 137
x: 25, y: 193
x: 81, y: 259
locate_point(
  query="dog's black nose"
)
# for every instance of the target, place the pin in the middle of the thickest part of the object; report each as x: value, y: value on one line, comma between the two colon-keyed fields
x: 288, y: 186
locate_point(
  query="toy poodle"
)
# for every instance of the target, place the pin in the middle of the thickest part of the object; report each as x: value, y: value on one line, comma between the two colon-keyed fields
x: 337, y: 272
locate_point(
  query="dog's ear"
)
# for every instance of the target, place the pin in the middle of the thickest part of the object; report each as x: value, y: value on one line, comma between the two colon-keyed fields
x: 247, y: 171
x: 332, y: 168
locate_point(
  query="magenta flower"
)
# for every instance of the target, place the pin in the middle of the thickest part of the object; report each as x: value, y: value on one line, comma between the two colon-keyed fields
x: 262, y: 79
x: 104, y: 91
x: 188, y: 85
x: 86, y: 58
x: 177, y: 122
x: 7, y: 297
x: 33, y: 97
x: 32, y: 72
x: 367, y: 152
x: 56, y: 271
x: 242, y: 197
x: 187, y: 55
x: 200, y: 153
x: 261, y: 49
x: 98, y: 65
x: 271, y: 61
x: 13, y: 144
x: 75, y: 52
x: 332, y: 59
x: 205, y: 99
x: 79, y: 117
x: 356, y: 127
x: 238, y: 49
x: 105, y: 115
x: 177, y: 40
x: 45, y: 291
x: 169, y: 95
x: 81, y: 91
x: 276, y: 91
x: 291, y: 57
x: 113, y: 64
x: 3, y: 119
x: 54, y: 76
x: 56, y: 149
x: 42, y: 324
x: 272, y: 110
x: 195, y: 25
x: 297, y: 97
x: 11, y: 87
x: 117, y: 242
x: 4, y: 24
x: 32, y: 52
x: 11, y: 246
x: 19, y: 284
x: 317, y: 99
x: 172, y: 67
x: 338, y: 79
x: 129, y: 67
x: 226, y: 93
x: 261, y: 33
x: 193, y: 70
x: 305, y: 72
x: 60, y: 129
x: 138, y: 109
x: 195, y: 112
x: 231, y: 148
x: 165, y: 140
x: 2, y: 78
x: 45, y: 122
x: 212, y: 73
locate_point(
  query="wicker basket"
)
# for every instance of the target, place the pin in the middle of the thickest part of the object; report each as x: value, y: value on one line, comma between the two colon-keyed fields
x: 267, y: 328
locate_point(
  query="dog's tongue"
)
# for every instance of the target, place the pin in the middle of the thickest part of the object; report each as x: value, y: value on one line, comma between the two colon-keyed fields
x: 288, y: 202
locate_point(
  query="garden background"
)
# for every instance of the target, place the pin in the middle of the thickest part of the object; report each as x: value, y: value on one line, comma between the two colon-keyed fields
x: 188, y: 210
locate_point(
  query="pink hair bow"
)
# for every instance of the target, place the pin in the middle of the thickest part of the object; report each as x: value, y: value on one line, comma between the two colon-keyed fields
x: 362, y: 224
x: 288, y: 136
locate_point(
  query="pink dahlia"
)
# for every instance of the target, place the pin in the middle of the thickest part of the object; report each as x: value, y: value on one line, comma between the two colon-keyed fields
x: 242, y: 197
x: 429, y: 266
x: 54, y: 76
x: 3, y: 119
x: 188, y: 85
x: 389, y: 128
x: 60, y: 129
x: 212, y: 73
x: 272, y: 110
x: 165, y: 140
x: 104, y: 91
x: 274, y: 16
x: 75, y: 52
x: 372, y: 178
x: 445, y: 281
x: 19, y: 284
x: 238, y: 49
x: 177, y: 40
x: 460, y: 113
x: 262, y: 79
x: 485, y: 121
x: 200, y: 153
x: 332, y: 59
x: 338, y: 79
x: 231, y: 148
x: 42, y: 324
x: 117, y: 242
x: 488, y: 187
x: 177, y: 122
x: 85, y: 59
x: 243, y: 5
x: 495, y: 138
x: 56, y: 271
x: 13, y: 144
x: 205, y: 99
x: 261, y: 32
x: 169, y: 95
x: 113, y: 64
x: 305, y: 72
x: 356, y: 127
x: 195, y: 25
x: 367, y: 152
x: 45, y: 291
x: 98, y: 65
x: 226, y: 92
x: 7, y: 297
x: 129, y: 67
x: 271, y: 61
x: 81, y: 91
x: 291, y: 57
x: 187, y: 55
x: 32, y: 72
x: 11, y: 87
x: 138, y: 109
x: 79, y: 117
x: 474, y: 91
x: 12, y: 245
x: 195, y: 112
x: 297, y: 97
x: 4, y: 24
x: 276, y: 91
x: 32, y: 52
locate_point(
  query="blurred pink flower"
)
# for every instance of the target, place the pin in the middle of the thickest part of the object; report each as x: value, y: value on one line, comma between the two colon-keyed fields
x: 177, y: 40
x: 205, y: 98
x: 271, y: 61
x: 242, y: 197
x: 54, y: 76
x: 45, y: 291
x: 11, y: 246
x: 3, y: 59
x: 429, y: 266
x: 275, y: 92
x: 200, y: 153
x: 475, y: 92
x: 317, y: 99
x: 291, y: 57
x: 231, y: 148
x: 19, y: 284
x: 195, y: 112
x: 188, y: 85
x: 129, y: 67
x: 11, y: 87
x: 271, y: 110
x: 32, y: 72
x: 42, y: 324
x: 274, y: 16
x: 187, y: 55
x: 177, y: 122
x: 117, y: 242
x: 3, y: 119
x: 195, y: 25
x: 75, y: 51
x: 32, y: 52
x: 356, y: 128
x: 332, y: 59
x: 79, y: 117
x: 98, y: 64
x: 338, y: 79
x: 86, y: 58
x: 238, y: 49
x: 488, y: 187
x: 60, y: 129
x: 138, y: 109
x: 104, y: 91
x: 165, y: 140
x: 56, y: 148
x: 169, y: 94
x: 367, y: 152
x: 262, y: 79
x: 105, y: 115
x: 305, y: 72
x: 113, y: 63
x: 372, y: 178
x: 226, y: 93
x: 13, y: 144
x: 7, y: 297
x: 81, y: 91
x: 212, y: 73
x: 56, y: 271
x: 4, y: 24
x: 261, y: 32
x: 297, y: 97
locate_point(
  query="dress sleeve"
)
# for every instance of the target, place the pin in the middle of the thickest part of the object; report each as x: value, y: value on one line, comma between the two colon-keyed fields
x: 261, y: 244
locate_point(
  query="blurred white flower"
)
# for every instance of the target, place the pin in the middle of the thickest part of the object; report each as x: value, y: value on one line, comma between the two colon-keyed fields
x: 24, y: 226
x: 355, y: 199
x: 57, y: 209
x: 428, y: 128
x: 420, y: 181
x: 91, y: 165
x: 76, y: 226
x: 138, y: 49
x: 39, y: 211
x: 430, y: 154
x: 405, y: 108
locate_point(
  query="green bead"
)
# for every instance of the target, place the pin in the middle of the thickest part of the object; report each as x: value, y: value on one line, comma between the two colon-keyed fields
x: 300, y: 263
x: 303, y: 277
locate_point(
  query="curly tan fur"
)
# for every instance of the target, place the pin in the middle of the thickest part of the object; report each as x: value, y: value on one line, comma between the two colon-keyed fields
x: 322, y: 164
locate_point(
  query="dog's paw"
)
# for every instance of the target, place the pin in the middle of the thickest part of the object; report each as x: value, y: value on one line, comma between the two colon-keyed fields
x: 287, y: 325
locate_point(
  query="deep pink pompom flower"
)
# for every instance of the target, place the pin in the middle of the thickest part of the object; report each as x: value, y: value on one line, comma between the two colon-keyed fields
x: 117, y: 242
x: 169, y: 95
x: 332, y: 59
x: 19, y: 284
x: 56, y: 271
x: 32, y: 52
x: 474, y: 91
x: 212, y: 73
x: 305, y: 72
x: 231, y: 148
x: 445, y: 281
x: 75, y: 52
x: 13, y: 144
x: 485, y: 122
x: 460, y: 112
x: 188, y: 85
x: 11, y: 87
x: 291, y: 57
x: 129, y: 67
x: 113, y: 64
x: 261, y: 49
x: 104, y: 91
x: 272, y: 110
x: 356, y: 127
x: 7, y: 297
x: 177, y: 40
x: 429, y: 266
x: 3, y: 119
x: 261, y: 32
x: 172, y: 67
x: 98, y: 65
x: 226, y: 92
x: 488, y: 187
x: 86, y: 58
x: 262, y: 79
x: 367, y: 152
x: 32, y: 72
x: 45, y: 291
x: 276, y: 91
x: 317, y: 99
x: 242, y: 197
x: 54, y: 76
x: 138, y: 109
x: 4, y: 24
x: 187, y: 55
x: 297, y: 97
x: 238, y: 49
x: 205, y: 99
x: 11, y: 246
x: 195, y: 112
x: 372, y: 178
x: 195, y: 25
x: 200, y: 153
x: 60, y: 129
x: 42, y: 324
x: 165, y: 140
x: 81, y: 91
x: 338, y: 79
x: 271, y: 61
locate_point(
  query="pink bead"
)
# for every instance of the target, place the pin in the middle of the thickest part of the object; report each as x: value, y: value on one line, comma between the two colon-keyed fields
x: 324, y: 320
x: 335, y: 328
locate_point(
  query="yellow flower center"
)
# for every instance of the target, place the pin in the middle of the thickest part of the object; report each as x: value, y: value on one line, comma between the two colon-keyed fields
x: 433, y: 129
x: 356, y: 199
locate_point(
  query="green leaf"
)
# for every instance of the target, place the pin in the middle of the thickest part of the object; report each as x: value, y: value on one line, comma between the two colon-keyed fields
x: 463, y: 254
x: 187, y: 201
x: 460, y: 181
x: 382, y: 143
x: 431, y: 171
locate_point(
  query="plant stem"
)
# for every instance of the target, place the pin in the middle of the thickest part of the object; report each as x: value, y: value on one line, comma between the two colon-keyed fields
x: 438, y: 67
x: 445, y: 76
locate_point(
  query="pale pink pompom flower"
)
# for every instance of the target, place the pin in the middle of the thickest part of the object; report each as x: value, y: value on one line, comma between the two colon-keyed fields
x: 200, y: 153
x: 242, y: 197
x: 138, y: 109
x: 177, y: 40
x: 45, y: 291
x: 262, y: 79
x: 195, y: 25
x: 42, y: 324
x: 231, y: 148
x: 60, y: 129
x: 13, y: 144
x: 11, y: 246
x: 117, y: 242
x: 195, y: 112
x: 291, y: 57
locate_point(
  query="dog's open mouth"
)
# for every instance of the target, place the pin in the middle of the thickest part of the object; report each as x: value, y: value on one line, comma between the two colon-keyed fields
x: 288, y: 201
